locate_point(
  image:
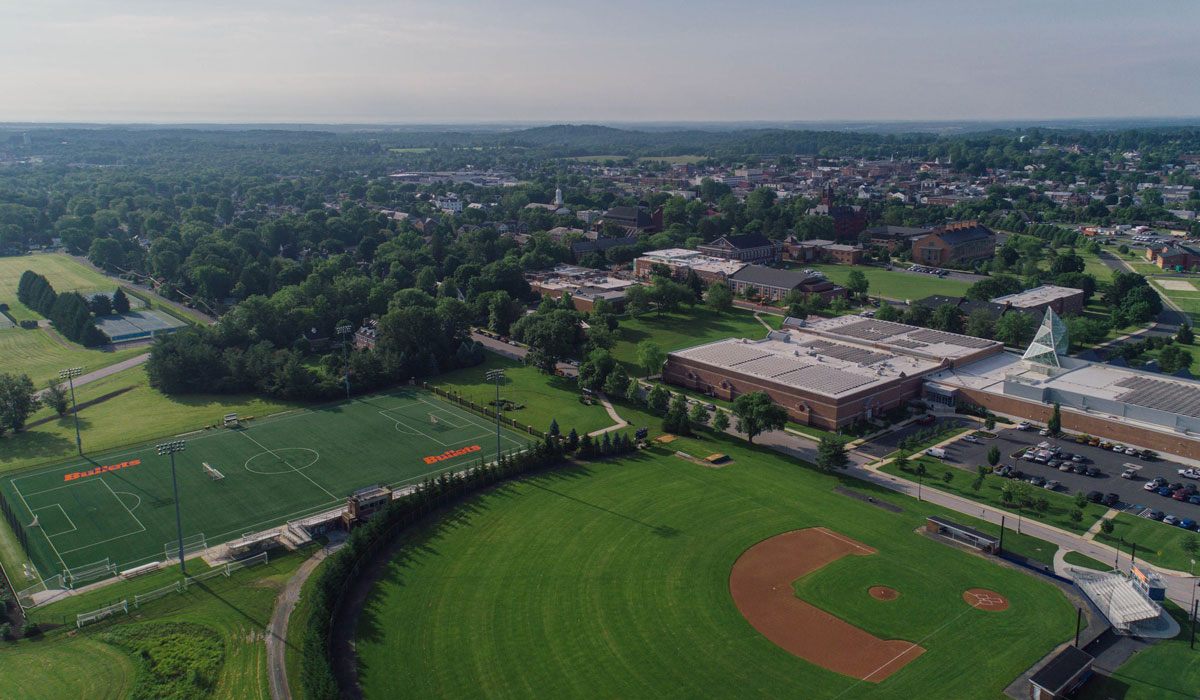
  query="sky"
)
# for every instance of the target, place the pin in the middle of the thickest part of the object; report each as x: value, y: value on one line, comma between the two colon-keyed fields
x: 461, y: 61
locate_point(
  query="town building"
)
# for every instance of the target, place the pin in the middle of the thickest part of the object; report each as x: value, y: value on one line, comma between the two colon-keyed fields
x: 820, y: 250
x: 585, y: 286
x: 896, y: 237
x: 679, y: 261
x: 770, y: 284
x: 829, y: 372
x: 366, y: 335
x: 957, y: 243
x: 635, y: 220
x: 1175, y: 256
x: 1063, y: 300
x: 746, y: 248
x: 848, y: 220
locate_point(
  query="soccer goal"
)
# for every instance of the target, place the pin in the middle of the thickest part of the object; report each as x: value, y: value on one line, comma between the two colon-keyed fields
x: 192, y: 544
x: 88, y: 572
x: 213, y: 473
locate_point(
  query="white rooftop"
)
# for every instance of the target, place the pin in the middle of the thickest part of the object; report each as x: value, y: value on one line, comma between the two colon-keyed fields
x: 899, y: 337
x: 682, y: 257
x: 818, y: 365
x: 1037, y: 296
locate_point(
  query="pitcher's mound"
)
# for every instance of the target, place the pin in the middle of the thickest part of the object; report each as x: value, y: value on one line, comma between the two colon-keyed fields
x: 984, y: 599
x: 883, y: 593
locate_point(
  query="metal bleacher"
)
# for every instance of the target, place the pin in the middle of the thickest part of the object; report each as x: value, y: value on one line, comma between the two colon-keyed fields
x: 1116, y: 597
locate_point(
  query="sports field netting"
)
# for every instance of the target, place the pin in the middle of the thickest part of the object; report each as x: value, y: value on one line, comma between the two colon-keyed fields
x: 137, y: 324
x: 120, y: 505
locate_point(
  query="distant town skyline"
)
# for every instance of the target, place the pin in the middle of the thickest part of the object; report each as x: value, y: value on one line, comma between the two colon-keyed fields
x: 367, y: 61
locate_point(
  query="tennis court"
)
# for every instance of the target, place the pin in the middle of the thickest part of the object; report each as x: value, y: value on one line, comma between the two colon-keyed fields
x: 120, y: 506
x: 138, y: 324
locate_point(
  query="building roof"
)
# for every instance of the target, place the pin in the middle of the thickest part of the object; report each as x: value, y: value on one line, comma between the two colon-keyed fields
x: 769, y: 276
x: 1062, y: 669
x: 933, y: 301
x: 959, y: 234
x: 816, y: 365
x: 744, y: 241
x: 1038, y: 296
x: 635, y: 216
x: 693, y: 260
x: 900, y: 338
x: 950, y: 524
x: 897, y: 231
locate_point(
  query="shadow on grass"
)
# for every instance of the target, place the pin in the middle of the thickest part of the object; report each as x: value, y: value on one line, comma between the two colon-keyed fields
x: 41, y: 444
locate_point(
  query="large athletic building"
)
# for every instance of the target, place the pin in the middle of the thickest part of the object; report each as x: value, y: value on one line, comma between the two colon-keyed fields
x: 827, y: 372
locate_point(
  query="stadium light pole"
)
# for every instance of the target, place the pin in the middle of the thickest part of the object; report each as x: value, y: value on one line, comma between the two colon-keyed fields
x: 170, y: 448
x: 69, y: 375
x: 345, y: 330
x: 495, y: 375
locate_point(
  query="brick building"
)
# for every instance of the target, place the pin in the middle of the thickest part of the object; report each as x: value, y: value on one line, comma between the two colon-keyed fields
x: 961, y: 242
x: 1063, y: 300
x: 681, y: 260
x: 773, y: 285
x: 585, y: 286
x: 848, y: 220
x: 1174, y: 257
x: 746, y: 247
x: 820, y: 250
x: 896, y: 237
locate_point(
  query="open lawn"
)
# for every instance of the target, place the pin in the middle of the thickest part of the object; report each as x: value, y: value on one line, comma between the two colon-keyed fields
x: 1157, y: 544
x: 120, y: 505
x: 65, y: 275
x: 1169, y: 670
x: 1077, y: 559
x: 544, y: 398
x: 895, y: 285
x: 991, y: 493
x: 612, y: 580
x: 36, y: 353
x: 1186, y: 299
x: 681, y: 330
x: 137, y: 415
x: 82, y: 664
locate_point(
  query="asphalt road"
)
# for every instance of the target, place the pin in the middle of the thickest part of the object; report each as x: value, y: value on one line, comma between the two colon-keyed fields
x: 961, y: 276
x: 1133, y: 495
x: 889, y: 443
x: 1166, y: 323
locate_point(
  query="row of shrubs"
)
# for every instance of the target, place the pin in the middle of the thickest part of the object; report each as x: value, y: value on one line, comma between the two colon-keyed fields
x: 317, y: 675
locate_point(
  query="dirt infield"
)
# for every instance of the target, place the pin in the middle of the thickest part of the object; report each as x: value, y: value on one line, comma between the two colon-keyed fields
x: 984, y: 599
x: 883, y: 593
x: 761, y: 586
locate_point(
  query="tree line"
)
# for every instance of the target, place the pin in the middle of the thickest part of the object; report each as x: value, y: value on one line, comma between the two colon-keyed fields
x: 70, y: 312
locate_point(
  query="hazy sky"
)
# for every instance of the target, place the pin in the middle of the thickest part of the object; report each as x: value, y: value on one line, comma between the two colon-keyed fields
x: 607, y: 60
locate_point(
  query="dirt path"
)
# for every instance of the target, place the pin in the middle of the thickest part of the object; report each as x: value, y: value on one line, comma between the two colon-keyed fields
x: 278, y: 627
x: 761, y: 586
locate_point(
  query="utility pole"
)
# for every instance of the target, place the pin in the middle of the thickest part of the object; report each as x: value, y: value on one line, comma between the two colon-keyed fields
x: 170, y: 448
x: 496, y: 375
x: 69, y: 375
x: 344, y: 330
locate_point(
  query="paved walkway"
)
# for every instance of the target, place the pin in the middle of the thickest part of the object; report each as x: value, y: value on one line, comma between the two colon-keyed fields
x: 618, y: 421
x: 106, y: 371
x: 277, y: 628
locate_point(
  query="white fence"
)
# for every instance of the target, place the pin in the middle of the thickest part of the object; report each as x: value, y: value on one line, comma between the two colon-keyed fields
x: 101, y: 613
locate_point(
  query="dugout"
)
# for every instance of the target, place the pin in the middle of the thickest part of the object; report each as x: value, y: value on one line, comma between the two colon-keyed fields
x: 1062, y: 676
x: 962, y: 533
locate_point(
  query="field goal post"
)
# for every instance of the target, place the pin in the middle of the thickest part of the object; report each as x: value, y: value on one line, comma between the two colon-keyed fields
x: 231, y: 420
x: 191, y: 545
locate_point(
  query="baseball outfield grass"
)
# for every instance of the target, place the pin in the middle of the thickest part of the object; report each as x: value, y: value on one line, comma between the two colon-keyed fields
x: 612, y: 580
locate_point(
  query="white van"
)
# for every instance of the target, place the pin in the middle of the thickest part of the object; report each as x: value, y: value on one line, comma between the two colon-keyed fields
x: 936, y: 452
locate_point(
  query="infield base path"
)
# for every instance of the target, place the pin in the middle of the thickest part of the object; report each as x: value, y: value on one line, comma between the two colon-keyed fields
x: 761, y: 586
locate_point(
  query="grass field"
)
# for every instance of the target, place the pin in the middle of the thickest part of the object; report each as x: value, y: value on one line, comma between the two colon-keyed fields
x: 632, y: 598
x: 1077, y: 559
x: 1156, y: 543
x: 545, y: 398
x: 65, y: 275
x: 67, y: 663
x: 895, y: 285
x: 1188, y: 300
x: 1169, y: 670
x: 37, y: 354
x: 681, y: 330
x: 275, y: 469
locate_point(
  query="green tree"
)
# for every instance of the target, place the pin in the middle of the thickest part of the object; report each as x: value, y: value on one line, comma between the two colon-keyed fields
x: 858, y: 283
x: 980, y: 324
x: 901, y: 460
x: 120, y: 302
x: 831, y: 454
x: 947, y: 317
x: 993, y: 455
x: 676, y: 418
x: 637, y: 300
x: 55, y: 397
x: 633, y: 393
x: 948, y: 476
x: 887, y: 312
x: 17, y: 401
x: 1054, y: 425
x: 699, y: 414
x: 989, y: 423
x: 1106, y: 526
x: 658, y: 399
x: 719, y: 298
x: 757, y: 413
x: 1014, y: 329
x: 720, y: 421
x: 651, y: 357
x: 1174, y: 358
x: 1185, y: 336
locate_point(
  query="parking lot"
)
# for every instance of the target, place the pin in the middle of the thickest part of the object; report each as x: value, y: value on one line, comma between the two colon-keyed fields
x: 1133, y: 496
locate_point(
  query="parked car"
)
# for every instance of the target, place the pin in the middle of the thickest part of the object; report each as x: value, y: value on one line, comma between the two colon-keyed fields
x: 1079, y: 469
x: 1052, y: 485
x: 1002, y: 470
x: 1037, y: 480
x: 1118, y: 448
x: 1093, y: 472
x: 1066, y: 467
x: 1044, y: 431
x: 1078, y: 458
x: 1170, y: 520
x: 1181, y: 495
x: 936, y: 452
x: 1147, y: 455
x: 1189, y: 473
x: 1130, y: 451
x: 1054, y: 463
x: 1016, y: 474
x: 971, y: 438
x: 1194, y: 500
x: 1187, y: 524
x: 1157, y: 482
x: 1154, y: 514
x: 1111, y: 499
x: 1166, y: 491
x: 926, y: 419
x: 1129, y: 474
x: 1095, y: 496
x: 1024, y: 425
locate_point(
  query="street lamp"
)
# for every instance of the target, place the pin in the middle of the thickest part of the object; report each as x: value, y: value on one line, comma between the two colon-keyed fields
x: 69, y: 375
x: 496, y: 375
x: 170, y: 448
x: 344, y: 331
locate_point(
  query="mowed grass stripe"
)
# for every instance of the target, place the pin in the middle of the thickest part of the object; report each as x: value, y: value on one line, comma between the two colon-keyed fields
x: 274, y: 470
x: 611, y: 580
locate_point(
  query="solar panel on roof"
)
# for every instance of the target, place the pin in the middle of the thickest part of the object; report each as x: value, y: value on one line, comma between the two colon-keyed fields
x: 726, y: 354
x: 933, y: 337
x: 906, y: 343
x: 825, y: 380
x: 1181, y: 399
x: 772, y: 366
x: 871, y: 329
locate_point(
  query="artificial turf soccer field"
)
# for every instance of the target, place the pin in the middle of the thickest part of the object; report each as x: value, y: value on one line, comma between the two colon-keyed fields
x: 274, y: 469
x: 613, y: 580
